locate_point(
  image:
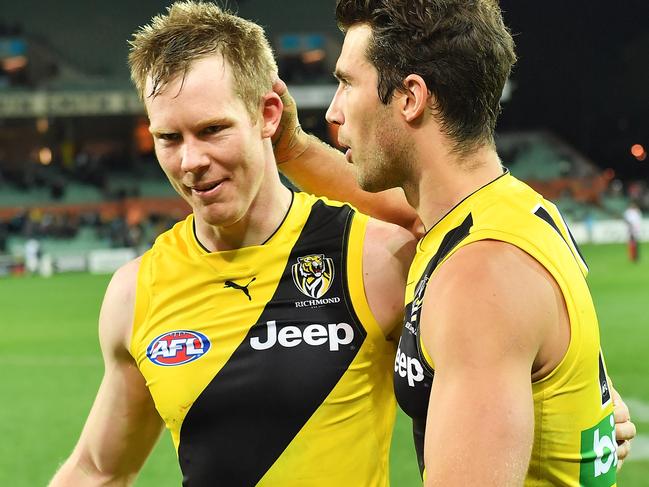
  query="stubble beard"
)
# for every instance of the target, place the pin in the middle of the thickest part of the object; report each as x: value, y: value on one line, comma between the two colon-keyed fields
x: 387, y: 165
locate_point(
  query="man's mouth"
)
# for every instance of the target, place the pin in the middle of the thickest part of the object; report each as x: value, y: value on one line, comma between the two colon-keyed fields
x: 348, y: 155
x: 347, y: 150
x: 207, y: 187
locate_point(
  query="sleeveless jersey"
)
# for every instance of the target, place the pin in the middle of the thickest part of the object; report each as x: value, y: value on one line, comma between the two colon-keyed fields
x: 265, y: 362
x: 574, y: 442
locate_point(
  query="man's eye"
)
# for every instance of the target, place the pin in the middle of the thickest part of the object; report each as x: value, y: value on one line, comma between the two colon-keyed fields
x: 169, y: 137
x: 212, y: 129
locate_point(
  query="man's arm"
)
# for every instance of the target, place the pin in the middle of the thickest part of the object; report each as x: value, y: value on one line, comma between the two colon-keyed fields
x: 123, y: 425
x: 317, y: 168
x: 387, y: 254
x: 484, y: 317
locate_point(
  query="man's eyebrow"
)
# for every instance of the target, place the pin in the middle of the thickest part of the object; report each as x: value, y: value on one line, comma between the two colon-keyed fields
x: 158, y: 130
x: 340, y: 75
x: 220, y: 121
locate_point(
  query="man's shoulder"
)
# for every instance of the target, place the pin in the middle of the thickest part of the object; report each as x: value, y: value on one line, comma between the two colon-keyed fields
x: 126, y: 275
x: 381, y: 236
x: 496, y: 277
x: 123, y: 285
x: 116, y: 316
x: 387, y: 246
x: 489, y: 300
x: 388, y: 250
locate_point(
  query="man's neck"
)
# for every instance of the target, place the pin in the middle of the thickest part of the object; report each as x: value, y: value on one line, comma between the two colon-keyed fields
x: 444, y: 179
x: 261, y: 221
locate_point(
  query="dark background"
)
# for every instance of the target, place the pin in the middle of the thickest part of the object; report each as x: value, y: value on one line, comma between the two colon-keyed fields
x: 583, y: 69
x: 583, y: 73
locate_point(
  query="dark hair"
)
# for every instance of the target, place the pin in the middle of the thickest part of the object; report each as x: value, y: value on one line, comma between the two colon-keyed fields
x: 461, y: 48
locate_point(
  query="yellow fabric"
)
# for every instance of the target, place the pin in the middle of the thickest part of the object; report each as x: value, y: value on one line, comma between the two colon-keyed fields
x: 181, y: 286
x: 567, y: 402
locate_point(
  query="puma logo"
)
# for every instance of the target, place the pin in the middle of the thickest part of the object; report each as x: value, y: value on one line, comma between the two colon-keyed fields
x: 243, y: 289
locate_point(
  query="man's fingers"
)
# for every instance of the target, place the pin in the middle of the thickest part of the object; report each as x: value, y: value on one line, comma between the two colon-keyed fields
x: 623, y: 450
x: 625, y: 431
x: 290, y: 110
x: 289, y: 140
x: 279, y: 87
x: 621, y: 412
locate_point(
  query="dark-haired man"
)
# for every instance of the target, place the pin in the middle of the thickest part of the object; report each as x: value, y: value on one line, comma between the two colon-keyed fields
x: 499, y: 361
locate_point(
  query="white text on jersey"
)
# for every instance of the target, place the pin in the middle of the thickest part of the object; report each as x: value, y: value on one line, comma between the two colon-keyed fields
x: 408, y: 367
x: 162, y: 348
x: 336, y: 334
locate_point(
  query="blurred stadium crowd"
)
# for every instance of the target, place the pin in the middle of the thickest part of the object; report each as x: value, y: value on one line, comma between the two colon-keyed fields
x: 78, y: 172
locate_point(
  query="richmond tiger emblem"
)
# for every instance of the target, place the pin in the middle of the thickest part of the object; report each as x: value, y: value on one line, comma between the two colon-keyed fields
x: 313, y: 274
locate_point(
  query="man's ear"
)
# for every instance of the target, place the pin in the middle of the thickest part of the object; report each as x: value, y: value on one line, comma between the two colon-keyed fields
x: 271, y: 105
x: 414, y: 98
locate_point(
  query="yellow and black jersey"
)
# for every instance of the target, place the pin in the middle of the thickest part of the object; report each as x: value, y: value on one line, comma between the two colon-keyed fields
x: 265, y: 362
x: 574, y: 442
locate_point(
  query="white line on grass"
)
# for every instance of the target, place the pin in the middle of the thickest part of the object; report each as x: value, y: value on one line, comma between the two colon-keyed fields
x: 639, y: 449
x: 639, y: 409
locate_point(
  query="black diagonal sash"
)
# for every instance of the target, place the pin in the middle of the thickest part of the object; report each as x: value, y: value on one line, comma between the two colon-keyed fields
x: 260, y: 400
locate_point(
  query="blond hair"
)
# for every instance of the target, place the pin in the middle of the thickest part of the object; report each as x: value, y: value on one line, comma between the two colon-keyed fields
x: 167, y: 46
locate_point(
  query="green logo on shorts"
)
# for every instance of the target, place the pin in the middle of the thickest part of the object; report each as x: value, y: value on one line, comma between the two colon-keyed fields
x: 598, y: 455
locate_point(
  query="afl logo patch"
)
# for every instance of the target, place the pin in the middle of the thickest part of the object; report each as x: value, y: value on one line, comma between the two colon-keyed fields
x: 313, y: 275
x: 177, y: 347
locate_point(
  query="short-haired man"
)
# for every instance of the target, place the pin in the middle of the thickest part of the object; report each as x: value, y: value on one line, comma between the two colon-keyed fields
x: 499, y: 361
x: 258, y: 329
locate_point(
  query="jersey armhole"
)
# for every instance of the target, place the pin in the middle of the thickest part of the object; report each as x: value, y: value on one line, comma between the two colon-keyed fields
x: 355, y: 283
x: 141, y: 308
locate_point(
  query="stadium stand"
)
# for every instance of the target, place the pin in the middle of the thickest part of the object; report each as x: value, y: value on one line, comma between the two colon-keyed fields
x: 76, y: 164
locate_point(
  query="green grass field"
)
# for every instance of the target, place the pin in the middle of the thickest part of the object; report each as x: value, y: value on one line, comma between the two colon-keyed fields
x: 50, y: 368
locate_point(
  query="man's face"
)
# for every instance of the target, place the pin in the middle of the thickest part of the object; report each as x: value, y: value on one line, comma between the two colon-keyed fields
x: 206, y: 143
x: 368, y: 128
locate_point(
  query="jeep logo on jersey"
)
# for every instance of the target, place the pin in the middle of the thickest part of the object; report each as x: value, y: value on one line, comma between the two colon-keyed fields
x: 333, y: 334
x: 313, y: 274
x: 408, y: 367
x: 177, y: 347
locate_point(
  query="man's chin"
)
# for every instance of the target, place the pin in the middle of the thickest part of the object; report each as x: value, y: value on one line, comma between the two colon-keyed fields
x: 373, y: 185
x: 215, y: 217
